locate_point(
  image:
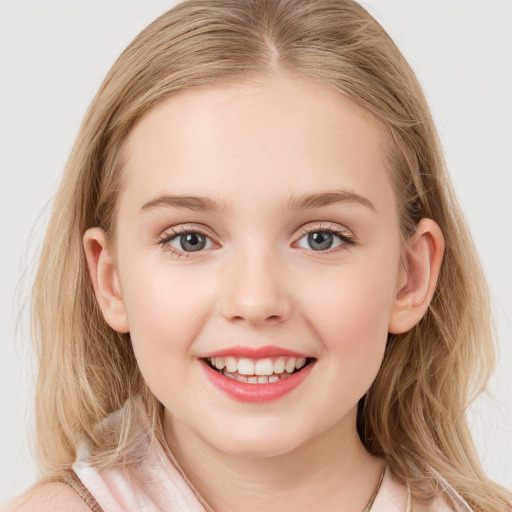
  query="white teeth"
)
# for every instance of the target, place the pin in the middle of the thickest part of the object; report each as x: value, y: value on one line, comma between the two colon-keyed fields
x: 246, y: 366
x: 257, y: 371
x: 290, y: 365
x: 279, y: 365
x: 264, y: 367
x: 231, y: 364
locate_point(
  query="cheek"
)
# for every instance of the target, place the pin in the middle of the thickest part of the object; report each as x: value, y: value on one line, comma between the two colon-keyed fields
x: 165, y: 315
x: 350, y: 312
x: 165, y: 320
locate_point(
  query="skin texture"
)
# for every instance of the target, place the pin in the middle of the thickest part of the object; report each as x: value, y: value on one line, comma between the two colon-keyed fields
x: 54, y: 497
x: 251, y: 148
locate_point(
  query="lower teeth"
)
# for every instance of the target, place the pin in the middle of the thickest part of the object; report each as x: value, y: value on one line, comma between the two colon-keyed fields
x: 255, y: 379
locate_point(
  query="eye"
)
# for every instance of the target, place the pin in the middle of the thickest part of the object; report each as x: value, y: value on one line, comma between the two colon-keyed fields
x: 185, y: 241
x: 324, y: 239
x: 191, y: 242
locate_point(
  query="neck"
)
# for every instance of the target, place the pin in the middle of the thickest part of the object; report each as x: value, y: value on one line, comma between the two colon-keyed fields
x: 331, y: 471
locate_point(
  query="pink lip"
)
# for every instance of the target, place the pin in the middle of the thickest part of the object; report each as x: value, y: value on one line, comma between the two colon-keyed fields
x: 245, y: 392
x: 253, y: 352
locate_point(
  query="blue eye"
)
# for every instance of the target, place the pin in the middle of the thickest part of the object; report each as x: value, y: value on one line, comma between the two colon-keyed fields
x: 182, y: 242
x: 189, y: 242
x: 324, y: 240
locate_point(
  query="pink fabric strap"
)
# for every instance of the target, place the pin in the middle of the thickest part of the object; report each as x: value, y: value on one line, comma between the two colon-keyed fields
x: 82, y: 491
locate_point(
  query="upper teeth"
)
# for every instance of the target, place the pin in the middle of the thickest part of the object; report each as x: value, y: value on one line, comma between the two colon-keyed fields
x: 268, y: 366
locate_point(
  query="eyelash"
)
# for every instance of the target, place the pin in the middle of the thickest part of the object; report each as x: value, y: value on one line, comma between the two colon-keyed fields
x: 346, y: 237
x: 173, y: 233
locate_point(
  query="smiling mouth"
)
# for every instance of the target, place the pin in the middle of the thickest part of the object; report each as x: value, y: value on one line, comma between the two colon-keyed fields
x: 258, y: 371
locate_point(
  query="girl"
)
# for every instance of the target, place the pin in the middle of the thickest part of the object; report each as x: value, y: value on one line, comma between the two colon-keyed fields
x: 257, y: 290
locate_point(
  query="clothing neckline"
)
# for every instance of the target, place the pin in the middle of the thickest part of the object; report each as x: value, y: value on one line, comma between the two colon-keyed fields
x: 208, y: 508
x: 376, y: 491
x: 152, y: 478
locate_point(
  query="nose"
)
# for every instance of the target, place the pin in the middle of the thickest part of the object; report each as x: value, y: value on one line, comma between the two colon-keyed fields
x: 255, y: 291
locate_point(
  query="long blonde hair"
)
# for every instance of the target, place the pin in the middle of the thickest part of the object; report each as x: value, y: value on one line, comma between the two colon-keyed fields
x: 414, y: 413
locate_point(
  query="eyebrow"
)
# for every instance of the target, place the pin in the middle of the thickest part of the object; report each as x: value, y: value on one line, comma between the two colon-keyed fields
x: 303, y: 202
x: 318, y: 200
x: 185, y: 202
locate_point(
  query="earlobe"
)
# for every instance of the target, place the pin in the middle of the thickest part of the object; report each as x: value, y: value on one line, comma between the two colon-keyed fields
x: 423, y: 257
x: 105, y: 279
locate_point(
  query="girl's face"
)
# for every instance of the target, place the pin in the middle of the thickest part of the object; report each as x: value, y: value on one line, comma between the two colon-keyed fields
x: 257, y: 226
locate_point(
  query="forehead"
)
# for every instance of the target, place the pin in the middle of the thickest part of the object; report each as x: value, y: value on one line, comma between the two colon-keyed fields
x: 273, y: 138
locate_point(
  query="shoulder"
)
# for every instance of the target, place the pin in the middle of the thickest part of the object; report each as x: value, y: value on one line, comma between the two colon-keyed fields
x: 53, y: 496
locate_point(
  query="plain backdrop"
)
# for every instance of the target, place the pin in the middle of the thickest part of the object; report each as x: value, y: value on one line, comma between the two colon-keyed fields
x: 53, y: 57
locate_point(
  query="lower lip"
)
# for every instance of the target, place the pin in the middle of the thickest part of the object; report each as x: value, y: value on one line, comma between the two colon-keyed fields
x: 245, y: 392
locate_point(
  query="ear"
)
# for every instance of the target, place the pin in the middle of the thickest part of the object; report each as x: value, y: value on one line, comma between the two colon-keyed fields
x: 422, y: 260
x: 105, y: 279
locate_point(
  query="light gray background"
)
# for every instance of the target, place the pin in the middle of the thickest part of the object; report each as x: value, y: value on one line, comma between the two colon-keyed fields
x: 54, y: 55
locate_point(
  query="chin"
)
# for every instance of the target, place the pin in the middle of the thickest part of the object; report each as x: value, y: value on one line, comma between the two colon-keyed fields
x: 253, y: 442
x: 262, y: 449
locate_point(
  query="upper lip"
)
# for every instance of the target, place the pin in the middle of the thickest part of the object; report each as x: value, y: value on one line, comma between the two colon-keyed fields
x: 254, y: 352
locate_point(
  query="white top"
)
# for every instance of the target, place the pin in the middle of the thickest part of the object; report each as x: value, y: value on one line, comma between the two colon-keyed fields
x: 158, y: 485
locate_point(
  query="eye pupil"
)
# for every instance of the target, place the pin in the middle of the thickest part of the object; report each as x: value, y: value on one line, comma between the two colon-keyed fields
x: 192, y: 242
x: 320, y: 240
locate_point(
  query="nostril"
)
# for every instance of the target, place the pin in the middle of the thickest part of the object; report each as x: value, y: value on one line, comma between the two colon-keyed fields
x: 254, y: 318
